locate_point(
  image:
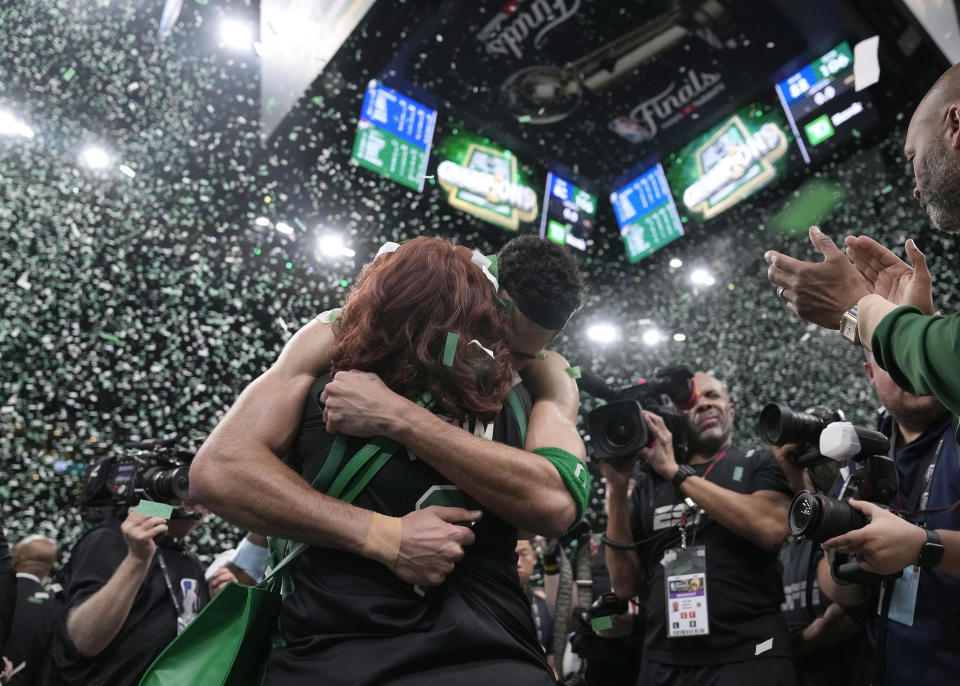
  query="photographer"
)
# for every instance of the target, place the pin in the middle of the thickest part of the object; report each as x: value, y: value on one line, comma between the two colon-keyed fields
x: 912, y: 620
x: 131, y: 586
x: 884, y: 304
x: 722, y: 505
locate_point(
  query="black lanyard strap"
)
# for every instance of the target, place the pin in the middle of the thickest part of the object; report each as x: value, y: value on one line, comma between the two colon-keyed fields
x: 166, y: 578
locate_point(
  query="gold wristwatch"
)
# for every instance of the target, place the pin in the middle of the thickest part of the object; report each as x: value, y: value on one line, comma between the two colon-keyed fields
x: 848, y: 326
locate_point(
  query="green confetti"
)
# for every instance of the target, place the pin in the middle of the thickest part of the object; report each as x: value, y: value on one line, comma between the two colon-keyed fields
x: 574, y: 372
x: 601, y: 623
x: 450, y: 348
x: 542, y: 356
x: 737, y: 473
x: 152, y: 509
x: 69, y: 74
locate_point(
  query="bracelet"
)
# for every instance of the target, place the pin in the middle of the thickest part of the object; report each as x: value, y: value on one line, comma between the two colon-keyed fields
x: 617, y: 544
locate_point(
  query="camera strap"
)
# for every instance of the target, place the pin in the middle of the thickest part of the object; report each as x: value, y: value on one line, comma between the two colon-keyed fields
x: 920, y: 494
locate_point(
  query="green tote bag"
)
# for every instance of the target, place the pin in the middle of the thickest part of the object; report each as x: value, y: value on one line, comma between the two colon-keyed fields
x: 228, y: 642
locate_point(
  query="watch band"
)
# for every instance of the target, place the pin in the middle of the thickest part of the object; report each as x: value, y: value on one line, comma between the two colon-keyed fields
x: 932, y: 551
x: 683, y: 472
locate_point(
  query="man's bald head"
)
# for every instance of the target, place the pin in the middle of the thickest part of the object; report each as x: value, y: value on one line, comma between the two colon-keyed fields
x: 933, y: 147
x: 35, y: 555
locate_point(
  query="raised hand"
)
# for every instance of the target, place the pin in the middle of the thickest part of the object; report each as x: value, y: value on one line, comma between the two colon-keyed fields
x: 818, y: 292
x: 138, y: 532
x: 889, y: 276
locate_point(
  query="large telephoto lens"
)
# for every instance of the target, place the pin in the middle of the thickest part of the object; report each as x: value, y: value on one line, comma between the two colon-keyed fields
x: 167, y: 484
x: 820, y: 518
x: 617, y: 429
x: 779, y: 424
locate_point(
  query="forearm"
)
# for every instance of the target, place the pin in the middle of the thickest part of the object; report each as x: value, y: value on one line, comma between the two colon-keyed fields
x: 95, y: 622
x: 950, y: 564
x: 249, y: 486
x: 518, y: 486
x: 920, y: 352
x: 753, y: 517
x: 626, y: 573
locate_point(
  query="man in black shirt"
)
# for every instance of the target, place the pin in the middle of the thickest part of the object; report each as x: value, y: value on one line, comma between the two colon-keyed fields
x: 705, y: 559
x: 126, y: 596
x: 36, y: 615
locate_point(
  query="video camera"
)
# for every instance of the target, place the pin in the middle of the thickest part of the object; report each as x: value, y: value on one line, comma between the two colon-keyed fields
x: 872, y: 476
x: 618, y: 430
x: 779, y: 425
x: 150, y: 470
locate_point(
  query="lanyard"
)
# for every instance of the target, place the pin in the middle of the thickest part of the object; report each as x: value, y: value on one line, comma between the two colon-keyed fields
x: 921, y: 493
x: 683, y: 516
x: 166, y: 577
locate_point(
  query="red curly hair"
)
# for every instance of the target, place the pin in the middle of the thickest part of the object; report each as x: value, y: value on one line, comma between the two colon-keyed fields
x: 396, y: 320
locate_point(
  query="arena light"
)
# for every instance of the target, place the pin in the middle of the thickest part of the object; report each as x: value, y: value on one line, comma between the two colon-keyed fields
x: 331, y: 244
x: 284, y: 228
x: 602, y: 333
x: 236, y: 34
x: 94, y: 157
x: 261, y: 221
x: 676, y: 263
x: 652, y: 337
x: 10, y: 125
x: 701, y: 277
x: 679, y: 337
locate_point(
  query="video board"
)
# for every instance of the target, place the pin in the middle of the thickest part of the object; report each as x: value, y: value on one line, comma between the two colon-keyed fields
x: 646, y: 213
x: 569, y: 213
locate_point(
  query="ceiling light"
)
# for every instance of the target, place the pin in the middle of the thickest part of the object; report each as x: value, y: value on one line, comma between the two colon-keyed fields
x: 95, y: 157
x: 602, y: 333
x: 236, y: 34
x: 652, y: 337
x: 332, y: 245
x: 679, y: 337
x: 10, y: 125
x: 676, y: 263
x: 702, y: 277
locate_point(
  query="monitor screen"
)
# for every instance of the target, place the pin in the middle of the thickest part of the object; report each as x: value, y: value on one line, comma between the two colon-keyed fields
x: 822, y: 106
x: 730, y: 161
x: 646, y: 214
x: 483, y: 179
x: 394, y: 135
x: 569, y: 213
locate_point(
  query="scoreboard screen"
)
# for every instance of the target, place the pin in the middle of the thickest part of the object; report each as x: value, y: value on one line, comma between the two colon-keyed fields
x: 646, y: 214
x: 569, y: 213
x: 822, y: 105
x: 394, y: 135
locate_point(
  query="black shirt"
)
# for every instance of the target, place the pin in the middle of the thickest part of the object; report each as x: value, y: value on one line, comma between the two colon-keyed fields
x: 33, y: 625
x: 744, y: 589
x: 151, y: 624
x: 8, y: 591
x: 351, y: 621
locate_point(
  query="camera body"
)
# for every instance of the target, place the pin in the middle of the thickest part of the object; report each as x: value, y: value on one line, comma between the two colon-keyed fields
x: 872, y: 476
x: 151, y: 471
x: 617, y: 429
x: 779, y: 424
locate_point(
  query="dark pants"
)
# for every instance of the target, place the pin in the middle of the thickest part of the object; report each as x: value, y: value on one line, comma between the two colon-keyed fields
x: 765, y: 671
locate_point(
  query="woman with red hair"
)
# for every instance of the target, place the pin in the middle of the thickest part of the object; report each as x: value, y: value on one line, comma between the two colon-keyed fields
x: 426, y: 320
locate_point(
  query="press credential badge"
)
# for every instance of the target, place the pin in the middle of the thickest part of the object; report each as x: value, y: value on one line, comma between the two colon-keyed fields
x: 685, y: 572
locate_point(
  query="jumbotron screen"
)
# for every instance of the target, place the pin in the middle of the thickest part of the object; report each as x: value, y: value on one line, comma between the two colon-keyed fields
x: 646, y: 214
x: 394, y: 135
x: 730, y: 162
x: 822, y: 105
x: 569, y: 213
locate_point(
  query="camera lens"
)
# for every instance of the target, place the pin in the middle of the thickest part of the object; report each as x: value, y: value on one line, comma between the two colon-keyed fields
x: 778, y: 424
x: 819, y: 518
x: 168, y: 484
x: 623, y: 428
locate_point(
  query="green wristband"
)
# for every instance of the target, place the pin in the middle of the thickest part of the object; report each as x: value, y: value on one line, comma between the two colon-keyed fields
x: 574, y: 474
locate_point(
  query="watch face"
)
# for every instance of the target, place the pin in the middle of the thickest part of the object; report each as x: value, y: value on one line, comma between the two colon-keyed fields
x: 849, y: 329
